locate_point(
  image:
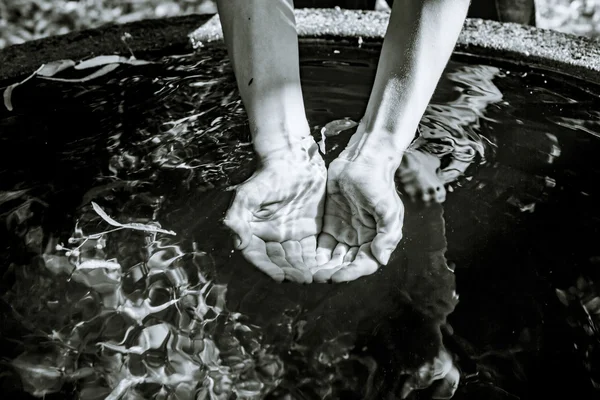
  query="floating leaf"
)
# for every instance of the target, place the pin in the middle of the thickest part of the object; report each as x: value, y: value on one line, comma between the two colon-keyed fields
x: 105, y: 216
x: 8, y: 91
x: 110, y: 59
x: 134, y: 225
x: 8, y: 96
x: 54, y: 67
x: 334, y: 128
x: 102, y: 71
x: 148, y: 228
x: 99, y: 61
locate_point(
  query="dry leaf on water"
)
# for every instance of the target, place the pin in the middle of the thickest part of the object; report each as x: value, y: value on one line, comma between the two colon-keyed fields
x: 136, y: 226
x: 110, y: 59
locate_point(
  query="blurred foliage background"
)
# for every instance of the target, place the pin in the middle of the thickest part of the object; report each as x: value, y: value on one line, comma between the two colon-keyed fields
x: 22, y: 20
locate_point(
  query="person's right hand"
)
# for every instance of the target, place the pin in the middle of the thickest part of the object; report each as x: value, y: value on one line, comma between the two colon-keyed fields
x: 277, y: 214
x: 363, y: 220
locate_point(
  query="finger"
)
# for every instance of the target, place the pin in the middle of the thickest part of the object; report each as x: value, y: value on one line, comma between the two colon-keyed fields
x: 350, y: 255
x: 324, y: 272
x: 309, y: 251
x: 446, y: 387
x: 364, y: 264
x: 256, y: 254
x: 277, y: 256
x: 339, y: 252
x: 238, y: 219
x: 389, y: 230
x: 295, y: 275
x: 293, y: 254
x: 325, y: 245
x: 323, y: 275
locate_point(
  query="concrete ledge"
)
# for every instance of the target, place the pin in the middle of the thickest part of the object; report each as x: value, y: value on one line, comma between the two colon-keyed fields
x: 540, y: 48
x: 512, y: 43
x: 143, y: 38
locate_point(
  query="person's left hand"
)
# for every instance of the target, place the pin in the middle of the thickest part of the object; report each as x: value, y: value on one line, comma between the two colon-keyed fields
x: 277, y: 214
x: 363, y: 220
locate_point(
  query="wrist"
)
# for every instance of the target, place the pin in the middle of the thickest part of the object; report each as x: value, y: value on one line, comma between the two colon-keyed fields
x: 374, y: 149
x: 279, y: 139
x: 296, y: 150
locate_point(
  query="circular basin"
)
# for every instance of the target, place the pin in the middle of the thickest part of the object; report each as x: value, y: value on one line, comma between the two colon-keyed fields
x: 119, y: 280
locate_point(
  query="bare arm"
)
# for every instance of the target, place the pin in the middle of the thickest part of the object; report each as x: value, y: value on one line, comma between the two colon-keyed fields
x: 263, y: 46
x: 363, y: 212
x: 419, y: 41
x: 277, y: 213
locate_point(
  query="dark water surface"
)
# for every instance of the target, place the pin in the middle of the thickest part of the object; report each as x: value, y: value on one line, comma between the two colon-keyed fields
x: 136, y: 313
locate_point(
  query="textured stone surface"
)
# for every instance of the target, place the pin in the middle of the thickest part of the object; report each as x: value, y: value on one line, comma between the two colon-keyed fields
x: 540, y: 48
x: 513, y: 43
x: 143, y: 38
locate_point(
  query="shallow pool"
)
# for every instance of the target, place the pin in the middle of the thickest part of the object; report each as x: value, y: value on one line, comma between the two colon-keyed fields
x: 119, y: 280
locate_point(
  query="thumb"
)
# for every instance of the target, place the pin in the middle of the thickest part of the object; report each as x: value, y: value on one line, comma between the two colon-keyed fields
x: 389, y: 219
x: 238, y: 219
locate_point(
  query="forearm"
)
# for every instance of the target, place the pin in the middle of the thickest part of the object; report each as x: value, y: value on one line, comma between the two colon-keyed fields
x: 263, y: 46
x: 419, y: 41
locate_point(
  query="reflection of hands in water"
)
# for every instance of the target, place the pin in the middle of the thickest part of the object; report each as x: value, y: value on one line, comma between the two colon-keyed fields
x: 362, y: 223
x: 411, y: 343
x: 439, y: 372
x: 277, y: 214
x: 449, y: 140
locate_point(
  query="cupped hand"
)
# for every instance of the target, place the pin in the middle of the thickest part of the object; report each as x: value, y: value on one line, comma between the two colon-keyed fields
x: 362, y: 222
x: 277, y: 214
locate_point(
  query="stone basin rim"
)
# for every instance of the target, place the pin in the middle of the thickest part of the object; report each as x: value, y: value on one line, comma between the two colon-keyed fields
x: 503, y: 42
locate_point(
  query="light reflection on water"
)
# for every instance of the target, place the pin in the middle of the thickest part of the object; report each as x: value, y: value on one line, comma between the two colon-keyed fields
x: 187, y: 316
